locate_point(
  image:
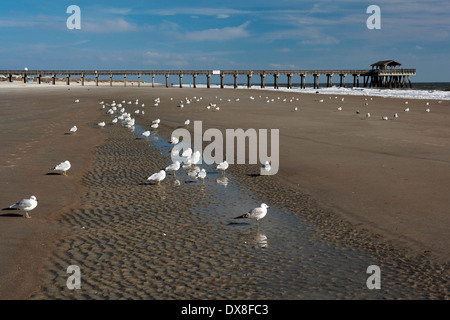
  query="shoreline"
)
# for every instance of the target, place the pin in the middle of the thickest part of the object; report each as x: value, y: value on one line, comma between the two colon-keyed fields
x: 285, y: 176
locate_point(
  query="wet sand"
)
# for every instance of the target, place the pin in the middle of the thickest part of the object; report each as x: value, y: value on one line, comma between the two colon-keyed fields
x: 349, y: 189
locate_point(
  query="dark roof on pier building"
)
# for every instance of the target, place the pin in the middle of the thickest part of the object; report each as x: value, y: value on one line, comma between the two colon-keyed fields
x: 384, y: 64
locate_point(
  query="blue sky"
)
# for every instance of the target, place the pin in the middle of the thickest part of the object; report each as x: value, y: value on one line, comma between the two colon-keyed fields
x: 244, y: 34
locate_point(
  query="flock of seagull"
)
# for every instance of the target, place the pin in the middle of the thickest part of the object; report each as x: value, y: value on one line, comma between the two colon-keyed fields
x: 189, y: 159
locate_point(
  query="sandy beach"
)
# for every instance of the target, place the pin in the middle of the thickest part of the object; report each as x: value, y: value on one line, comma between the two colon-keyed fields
x: 351, y: 191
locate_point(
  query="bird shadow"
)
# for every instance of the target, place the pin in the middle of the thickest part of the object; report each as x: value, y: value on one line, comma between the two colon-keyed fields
x: 254, y: 175
x: 10, y: 215
x: 67, y: 133
x: 232, y: 223
x: 53, y: 174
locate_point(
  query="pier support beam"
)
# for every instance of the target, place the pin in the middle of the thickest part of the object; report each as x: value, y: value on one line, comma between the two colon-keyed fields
x: 167, y: 80
x: 68, y: 79
x: 111, y: 80
x: 82, y: 79
x: 124, y: 80
x: 263, y: 83
x: 342, y: 80
x: 38, y: 78
x: 53, y: 79
x: 275, y: 81
x: 181, y: 80
x: 302, y: 81
x: 195, y: 80
x: 96, y: 79
x: 316, y: 81
x: 139, y: 80
x: 153, y: 80
x: 355, y: 80
x: 289, y: 81
x: 329, y: 80
x: 208, y: 80
x: 221, y: 81
x: 249, y: 80
x: 24, y: 77
x: 10, y: 77
x: 235, y: 80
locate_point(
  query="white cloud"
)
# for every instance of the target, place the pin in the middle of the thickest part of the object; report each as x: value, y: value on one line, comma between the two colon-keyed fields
x: 216, y: 34
x: 108, y: 26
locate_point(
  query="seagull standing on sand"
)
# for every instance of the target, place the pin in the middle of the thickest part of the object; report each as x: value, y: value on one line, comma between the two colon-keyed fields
x: 146, y: 133
x: 25, y: 205
x: 173, y: 140
x: 222, y: 166
x: 256, y: 213
x: 175, y: 166
x: 101, y: 124
x: 201, y: 175
x: 74, y: 129
x: 63, y: 166
x: 159, y: 176
x: 266, y: 167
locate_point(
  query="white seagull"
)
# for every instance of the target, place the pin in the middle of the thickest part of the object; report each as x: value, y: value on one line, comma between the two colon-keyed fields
x: 175, y: 166
x: 222, y: 166
x: 173, y: 140
x: 256, y: 213
x: 74, y: 129
x: 187, y: 122
x: 201, y: 175
x: 101, y: 124
x: 266, y: 168
x: 63, y: 166
x: 25, y: 205
x: 159, y: 176
x: 146, y: 133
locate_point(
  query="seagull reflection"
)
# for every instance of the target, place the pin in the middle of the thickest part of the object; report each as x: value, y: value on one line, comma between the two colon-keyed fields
x: 222, y: 180
x: 261, y: 239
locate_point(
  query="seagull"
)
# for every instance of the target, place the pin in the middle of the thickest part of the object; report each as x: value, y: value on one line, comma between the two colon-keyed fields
x: 187, y: 153
x: 407, y: 110
x: 114, y: 120
x: 187, y: 122
x: 159, y: 176
x: 296, y: 108
x: 339, y: 108
x: 201, y: 175
x: 368, y: 115
x: 78, y: 100
x: 154, y: 126
x: 63, y: 166
x: 146, y: 133
x: 222, y: 166
x: 427, y: 110
x: 25, y: 205
x: 74, y: 129
x: 266, y: 167
x: 395, y: 115
x: 101, y: 124
x: 256, y: 213
x: 175, y: 166
x: 156, y: 121
x: 173, y: 140
x: 385, y: 118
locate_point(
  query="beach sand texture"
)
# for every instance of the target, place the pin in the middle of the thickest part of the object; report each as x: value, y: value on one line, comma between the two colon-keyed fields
x: 351, y: 192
